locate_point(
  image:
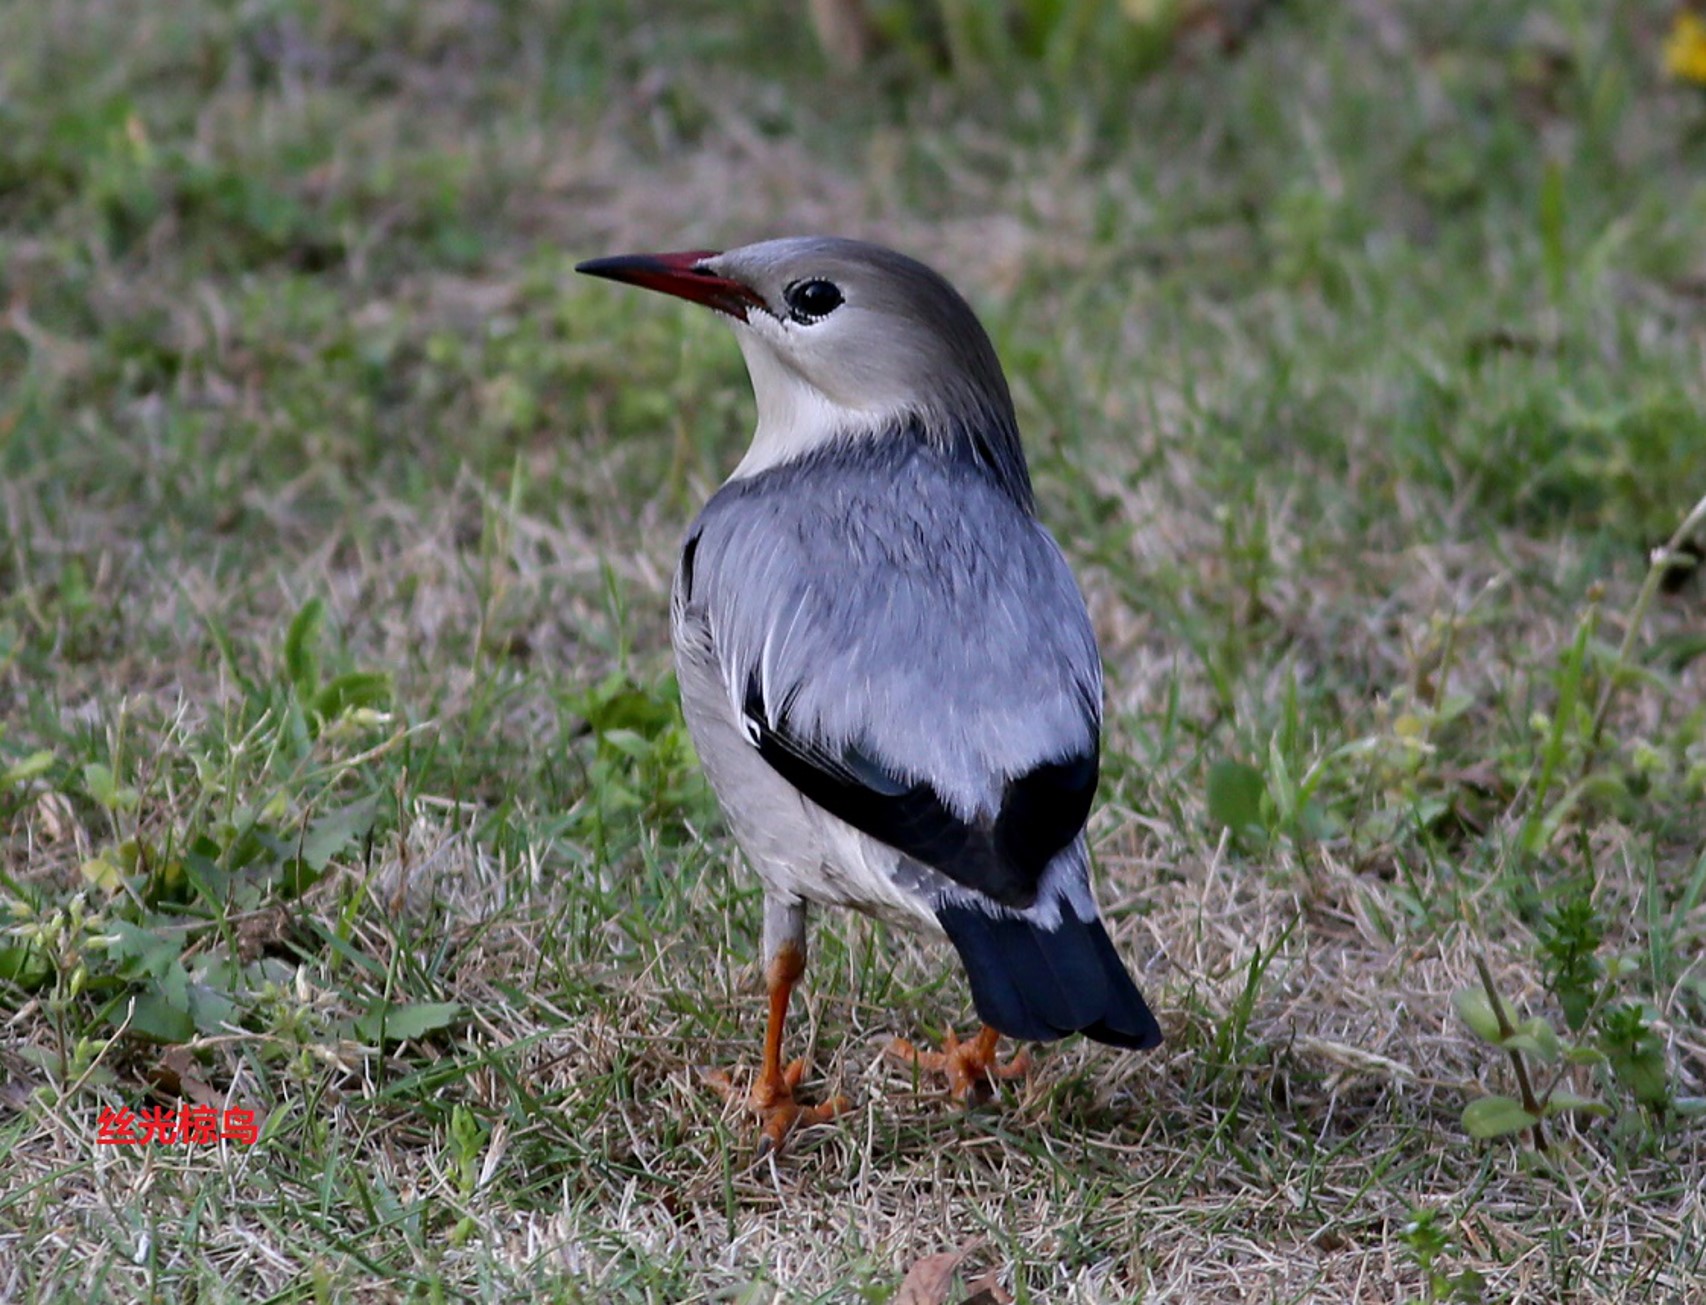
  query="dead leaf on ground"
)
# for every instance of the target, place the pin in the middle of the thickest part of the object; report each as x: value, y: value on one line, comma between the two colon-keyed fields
x: 178, y: 1074
x: 930, y: 1281
x: 986, y: 1289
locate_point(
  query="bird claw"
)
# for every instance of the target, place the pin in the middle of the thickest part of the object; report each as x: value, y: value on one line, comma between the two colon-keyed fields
x: 971, y: 1068
x: 772, y: 1100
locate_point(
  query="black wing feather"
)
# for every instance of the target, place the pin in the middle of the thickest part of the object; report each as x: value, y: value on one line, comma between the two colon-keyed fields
x: 1002, y: 857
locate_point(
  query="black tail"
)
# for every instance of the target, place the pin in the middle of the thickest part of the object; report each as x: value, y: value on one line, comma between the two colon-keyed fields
x: 1041, y: 984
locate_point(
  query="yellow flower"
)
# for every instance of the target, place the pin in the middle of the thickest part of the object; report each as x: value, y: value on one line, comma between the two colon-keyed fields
x: 1685, y: 49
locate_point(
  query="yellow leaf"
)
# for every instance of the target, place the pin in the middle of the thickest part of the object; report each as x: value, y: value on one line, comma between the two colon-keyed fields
x: 103, y: 874
x: 1685, y: 49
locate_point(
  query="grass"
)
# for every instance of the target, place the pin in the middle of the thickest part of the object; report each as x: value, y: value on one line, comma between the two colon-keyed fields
x: 342, y: 777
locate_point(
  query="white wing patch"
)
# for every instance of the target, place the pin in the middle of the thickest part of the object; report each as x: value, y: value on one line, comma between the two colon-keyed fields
x: 749, y: 728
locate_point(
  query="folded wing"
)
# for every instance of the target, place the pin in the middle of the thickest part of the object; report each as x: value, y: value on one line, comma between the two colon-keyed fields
x: 918, y: 661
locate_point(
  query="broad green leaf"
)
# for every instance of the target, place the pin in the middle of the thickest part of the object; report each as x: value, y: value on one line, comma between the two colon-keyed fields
x: 1521, y: 1042
x: 1643, y: 1073
x: 212, y: 883
x: 1235, y: 791
x: 1577, y: 1001
x: 1536, y: 1037
x: 382, y: 1020
x: 139, y: 953
x: 101, y: 785
x: 1477, y: 1012
x: 352, y: 691
x: 175, y: 984
x: 1451, y: 707
x: 331, y: 833
x: 27, y: 967
x: 1495, y: 1117
x: 157, y: 1015
x: 1562, y: 1100
x: 628, y: 743
x: 22, y: 772
x: 213, y: 1011
x: 301, y: 659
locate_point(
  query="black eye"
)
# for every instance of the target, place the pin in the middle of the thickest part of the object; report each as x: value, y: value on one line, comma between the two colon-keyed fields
x: 809, y: 300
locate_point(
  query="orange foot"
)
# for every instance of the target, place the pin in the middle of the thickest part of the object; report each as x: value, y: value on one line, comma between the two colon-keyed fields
x: 970, y: 1067
x: 772, y: 1100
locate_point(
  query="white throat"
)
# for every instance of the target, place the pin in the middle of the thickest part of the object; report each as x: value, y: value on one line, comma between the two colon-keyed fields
x: 794, y: 416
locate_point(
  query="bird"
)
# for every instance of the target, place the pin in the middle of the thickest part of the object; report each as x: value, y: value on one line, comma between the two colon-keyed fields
x: 886, y: 665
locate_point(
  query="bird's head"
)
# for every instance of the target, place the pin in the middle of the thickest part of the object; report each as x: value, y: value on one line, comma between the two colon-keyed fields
x: 843, y: 340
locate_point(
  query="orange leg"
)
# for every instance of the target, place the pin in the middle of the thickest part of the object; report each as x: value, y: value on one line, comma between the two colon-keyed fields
x: 970, y: 1067
x: 772, y: 1095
